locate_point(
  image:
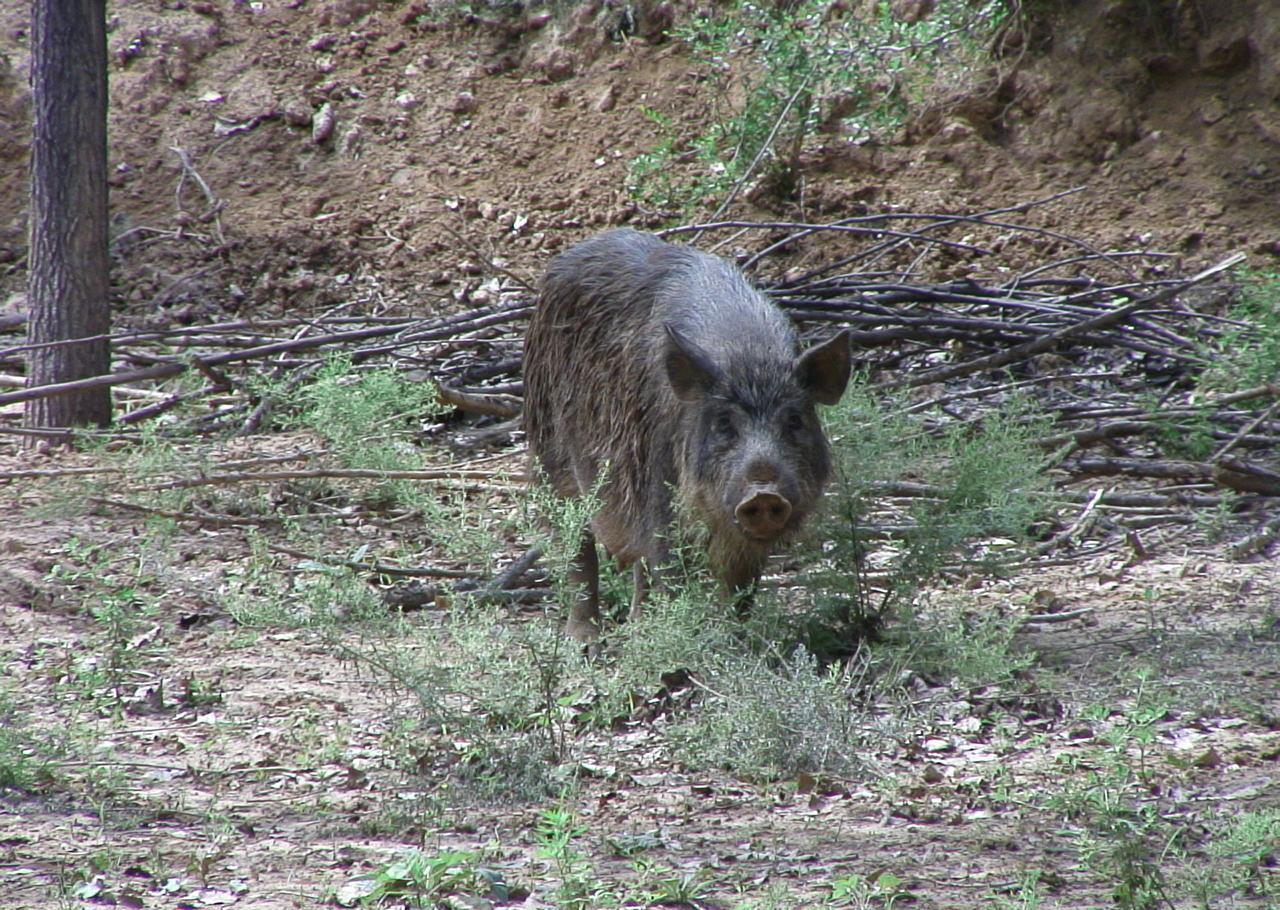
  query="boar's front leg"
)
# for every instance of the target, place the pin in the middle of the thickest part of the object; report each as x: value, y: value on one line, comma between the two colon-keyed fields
x: 584, y: 580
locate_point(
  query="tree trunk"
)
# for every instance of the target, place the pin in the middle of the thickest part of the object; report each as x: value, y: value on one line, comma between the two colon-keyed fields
x: 69, y: 270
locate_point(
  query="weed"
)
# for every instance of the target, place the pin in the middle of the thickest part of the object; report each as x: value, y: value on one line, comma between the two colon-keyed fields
x: 793, y: 69
x: 1248, y: 355
x: 1189, y: 438
x: 982, y: 484
x: 970, y: 647
x: 365, y: 416
x: 317, y: 595
x: 527, y: 680
x: 1025, y: 897
x: 778, y: 895
x: 765, y: 717
x: 25, y: 754
x: 883, y: 890
x: 197, y: 693
x: 1215, y: 523
x: 663, y: 887
x: 368, y: 418
x: 425, y: 880
x: 316, y: 738
x: 556, y: 526
x: 116, y: 597
x: 651, y: 176
x: 1122, y: 834
x: 1244, y: 858
x: 500, y: 695
x: 577, y: 887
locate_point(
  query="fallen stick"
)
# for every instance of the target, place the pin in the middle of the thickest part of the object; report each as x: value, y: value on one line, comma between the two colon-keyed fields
x: 1044, y: 343
x: 348, y: 473
x: 167, y: 370
x: 373, y: 568
x: 479, y: 403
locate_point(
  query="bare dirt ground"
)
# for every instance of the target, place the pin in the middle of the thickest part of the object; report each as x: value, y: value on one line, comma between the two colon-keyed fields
x: 464, y: 150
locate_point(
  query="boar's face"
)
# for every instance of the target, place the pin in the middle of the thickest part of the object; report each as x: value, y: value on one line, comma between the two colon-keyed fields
x: 755, y: 457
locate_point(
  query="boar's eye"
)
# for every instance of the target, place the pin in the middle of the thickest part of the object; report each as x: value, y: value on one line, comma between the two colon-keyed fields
x: 722, y: 425
x: 794, y: 422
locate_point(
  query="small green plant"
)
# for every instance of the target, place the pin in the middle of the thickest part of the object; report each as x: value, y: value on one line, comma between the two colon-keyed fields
x: 980, y: 489
x: 883, y: 890
x: 1025, y: 897
x: 499, y: 694
x: 577, y: 887
x: 425, y: 880
x: 117, y: 599
x: 25, y: 759
x: 651, y: 176
x: 1121, y: 833
x: 1243, y: 861
x: 506, y: 692
x: 954, y: 641
x: 776, y: 718
x: 316, y: 595
x: 1248, y: 355
x: 369, y: 418
x: 663, y: 887
x: 1190, y: 438
x: 366, y: 416
x: 529, y: 679
x: 556, y: 526
x: 198, y: 693
x: 1216, y: 523
x: 778, y: 895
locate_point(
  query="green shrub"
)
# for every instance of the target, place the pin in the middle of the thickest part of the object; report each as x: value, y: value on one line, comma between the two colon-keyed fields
x: 1248, y: 355
x: 24, y: 761
x: 770, y: 718
x: 790, y: 67
x: 980, y: 485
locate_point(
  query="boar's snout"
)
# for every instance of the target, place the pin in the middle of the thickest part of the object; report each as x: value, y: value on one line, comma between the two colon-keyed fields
x: 763, y: 513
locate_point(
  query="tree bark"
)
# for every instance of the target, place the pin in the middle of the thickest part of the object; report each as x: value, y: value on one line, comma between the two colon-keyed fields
x: 69, y: 278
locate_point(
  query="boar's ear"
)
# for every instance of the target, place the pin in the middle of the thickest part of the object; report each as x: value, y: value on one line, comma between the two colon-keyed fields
x: 689, y: 369
x: 823, y: 370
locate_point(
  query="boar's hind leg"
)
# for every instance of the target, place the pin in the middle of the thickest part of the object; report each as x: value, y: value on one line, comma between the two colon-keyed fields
x: 584, y: 615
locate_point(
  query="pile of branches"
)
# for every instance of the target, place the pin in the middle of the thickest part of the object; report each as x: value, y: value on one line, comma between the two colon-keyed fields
x: 1110, y: 345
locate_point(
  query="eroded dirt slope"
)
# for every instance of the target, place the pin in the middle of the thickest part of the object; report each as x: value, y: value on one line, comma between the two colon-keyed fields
x: 340, y: 137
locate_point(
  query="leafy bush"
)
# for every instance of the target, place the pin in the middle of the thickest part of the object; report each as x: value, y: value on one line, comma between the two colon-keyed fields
x: 980, y: 489
x: 790, y: 68
x: 367, y: 417
x: 777, y: 718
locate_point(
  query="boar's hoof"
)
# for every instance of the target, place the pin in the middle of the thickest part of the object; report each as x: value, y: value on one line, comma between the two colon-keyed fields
x: 585, y: 632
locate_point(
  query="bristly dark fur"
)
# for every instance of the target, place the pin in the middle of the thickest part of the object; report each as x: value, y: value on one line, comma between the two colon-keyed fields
x: 598, y: 390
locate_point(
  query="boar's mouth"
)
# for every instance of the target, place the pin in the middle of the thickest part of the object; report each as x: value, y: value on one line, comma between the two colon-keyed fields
x: 789, y: 530
x: 770, y: 537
